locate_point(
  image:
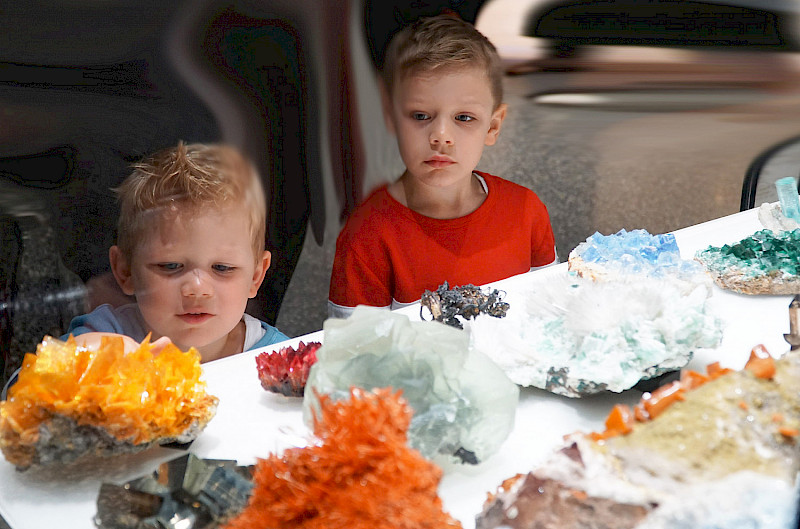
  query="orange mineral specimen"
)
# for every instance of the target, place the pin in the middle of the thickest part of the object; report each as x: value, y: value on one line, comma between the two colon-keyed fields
x: 120, y: 402
x: 361, y: 475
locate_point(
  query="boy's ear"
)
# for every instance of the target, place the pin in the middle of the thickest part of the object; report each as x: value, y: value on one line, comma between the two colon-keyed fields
x: 386, y: 105
x: 121, y: 270
x: 495, y: 124
x: 258, y: 274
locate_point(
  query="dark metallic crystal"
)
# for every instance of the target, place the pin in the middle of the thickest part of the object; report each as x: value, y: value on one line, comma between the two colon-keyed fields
x: 184, y: 493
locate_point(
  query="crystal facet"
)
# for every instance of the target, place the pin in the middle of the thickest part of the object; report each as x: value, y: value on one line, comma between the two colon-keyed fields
x: 788, y: 198
x: 464, y: 405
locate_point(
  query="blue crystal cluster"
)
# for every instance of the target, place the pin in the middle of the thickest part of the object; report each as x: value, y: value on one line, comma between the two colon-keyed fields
x: 637, y: 252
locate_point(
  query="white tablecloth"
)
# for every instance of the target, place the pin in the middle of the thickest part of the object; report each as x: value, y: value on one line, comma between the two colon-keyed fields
x: 251, y: 422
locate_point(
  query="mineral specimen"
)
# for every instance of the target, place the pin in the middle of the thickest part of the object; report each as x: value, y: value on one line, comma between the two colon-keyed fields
x: 636, y: 252
x: 772, y: 218
x: 447, y: 304
x: 787, y: 196
x: 361, y: 474
x: 574, y: 336
x: 719, y: 449
x: 184, y: 493
x: 464, y: 405
x: 286, y: 370
x: 764, y: 263
x: 71, y: 402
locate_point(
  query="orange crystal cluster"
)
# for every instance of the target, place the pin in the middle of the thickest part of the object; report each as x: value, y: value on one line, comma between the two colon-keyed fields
x: 361, y: 475
x: 137, y: 398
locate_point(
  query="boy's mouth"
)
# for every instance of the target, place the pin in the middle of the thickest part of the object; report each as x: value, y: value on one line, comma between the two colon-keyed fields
x: 195, y: 318
x: 437, y: 162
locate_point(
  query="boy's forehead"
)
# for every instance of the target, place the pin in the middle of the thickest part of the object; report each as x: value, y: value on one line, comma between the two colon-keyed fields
x: 480, y: 78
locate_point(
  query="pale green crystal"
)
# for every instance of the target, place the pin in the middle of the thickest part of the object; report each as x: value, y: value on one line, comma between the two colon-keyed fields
x: 463, y: 403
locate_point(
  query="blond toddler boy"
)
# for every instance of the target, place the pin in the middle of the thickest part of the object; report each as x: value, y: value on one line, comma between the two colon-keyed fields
x: 190, y: 249
x: 441, y: 220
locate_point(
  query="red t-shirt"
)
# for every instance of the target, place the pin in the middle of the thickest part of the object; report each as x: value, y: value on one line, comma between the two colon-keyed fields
x: 388, y: 252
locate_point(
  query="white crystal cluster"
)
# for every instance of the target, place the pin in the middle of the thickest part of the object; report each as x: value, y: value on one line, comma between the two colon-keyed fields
x: 573, y: 336
x: 464, y: 405
x: 744, y: 500
x: 772, y: 218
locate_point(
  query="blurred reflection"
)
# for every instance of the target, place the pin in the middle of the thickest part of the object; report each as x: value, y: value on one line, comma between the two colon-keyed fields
x: 38, y: 294
x: 629, y: 114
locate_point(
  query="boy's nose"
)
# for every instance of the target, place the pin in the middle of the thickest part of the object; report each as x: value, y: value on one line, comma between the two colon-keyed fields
x: 196, y: 284
x: 441, y: 133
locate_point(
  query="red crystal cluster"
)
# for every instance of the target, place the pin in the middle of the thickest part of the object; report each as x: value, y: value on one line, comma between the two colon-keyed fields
x: 360, y: 475
x: 286, y: 370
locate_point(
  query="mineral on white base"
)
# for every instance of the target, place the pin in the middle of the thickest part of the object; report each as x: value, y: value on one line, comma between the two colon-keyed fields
x: 635, y: 252
x: 464, y: 405
x: 573, y: 336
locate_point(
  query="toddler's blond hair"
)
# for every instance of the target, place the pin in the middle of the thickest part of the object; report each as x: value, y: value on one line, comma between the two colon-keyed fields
x: 195, y: 175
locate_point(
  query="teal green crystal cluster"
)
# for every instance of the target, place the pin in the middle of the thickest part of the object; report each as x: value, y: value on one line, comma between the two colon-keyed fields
x: 464, y: 404
x: 763, y: 253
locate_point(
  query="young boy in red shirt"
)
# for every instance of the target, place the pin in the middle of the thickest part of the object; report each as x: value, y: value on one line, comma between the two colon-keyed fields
x: 440, y: 220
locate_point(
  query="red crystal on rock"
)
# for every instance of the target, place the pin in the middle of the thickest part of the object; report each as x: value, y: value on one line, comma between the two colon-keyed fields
x: 286, y: 370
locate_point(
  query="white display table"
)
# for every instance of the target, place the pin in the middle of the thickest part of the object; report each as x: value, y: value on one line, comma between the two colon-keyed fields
x: 252, y: 422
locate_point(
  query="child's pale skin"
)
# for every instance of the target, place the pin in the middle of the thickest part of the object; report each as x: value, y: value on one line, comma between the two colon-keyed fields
x: 442, y: 120
x: 192, y: 275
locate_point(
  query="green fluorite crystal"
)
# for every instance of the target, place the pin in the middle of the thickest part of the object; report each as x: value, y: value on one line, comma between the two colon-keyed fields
x: 464, y: 404
x: 762, y: 253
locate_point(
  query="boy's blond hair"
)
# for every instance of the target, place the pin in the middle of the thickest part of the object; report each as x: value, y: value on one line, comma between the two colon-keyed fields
x: 195, y: 175
x: 443, y: 41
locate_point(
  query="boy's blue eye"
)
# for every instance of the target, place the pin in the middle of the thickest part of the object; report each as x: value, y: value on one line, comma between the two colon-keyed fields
x: 419, y: 116
x: 464, y: 117
x: 169, y: 266
x: 222, y: 268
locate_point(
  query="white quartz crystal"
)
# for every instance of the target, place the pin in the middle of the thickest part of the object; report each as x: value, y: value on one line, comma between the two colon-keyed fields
x: 771, y: 217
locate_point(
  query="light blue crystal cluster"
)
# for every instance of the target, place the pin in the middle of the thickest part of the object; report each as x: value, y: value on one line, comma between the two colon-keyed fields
x: 637, y: 252
x: 464, y: 404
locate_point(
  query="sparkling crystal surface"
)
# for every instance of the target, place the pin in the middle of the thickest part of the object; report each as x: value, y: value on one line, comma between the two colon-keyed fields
x: 636, y: 252
x: 763, y: 253
x: 65, y: 392
x: 359, y: 474
x: 463, y: 403
x: 286, y: 371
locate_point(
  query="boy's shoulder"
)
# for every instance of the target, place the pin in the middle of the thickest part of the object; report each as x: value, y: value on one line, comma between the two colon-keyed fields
x: 506, y: 188
x: 378, y: 208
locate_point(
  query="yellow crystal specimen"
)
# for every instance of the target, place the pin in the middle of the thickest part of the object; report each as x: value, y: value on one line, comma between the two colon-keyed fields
x: 137, y: 398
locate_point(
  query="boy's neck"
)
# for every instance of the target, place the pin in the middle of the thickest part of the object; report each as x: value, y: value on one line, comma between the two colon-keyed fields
x: 231, y: 344
x: 449, y: 202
